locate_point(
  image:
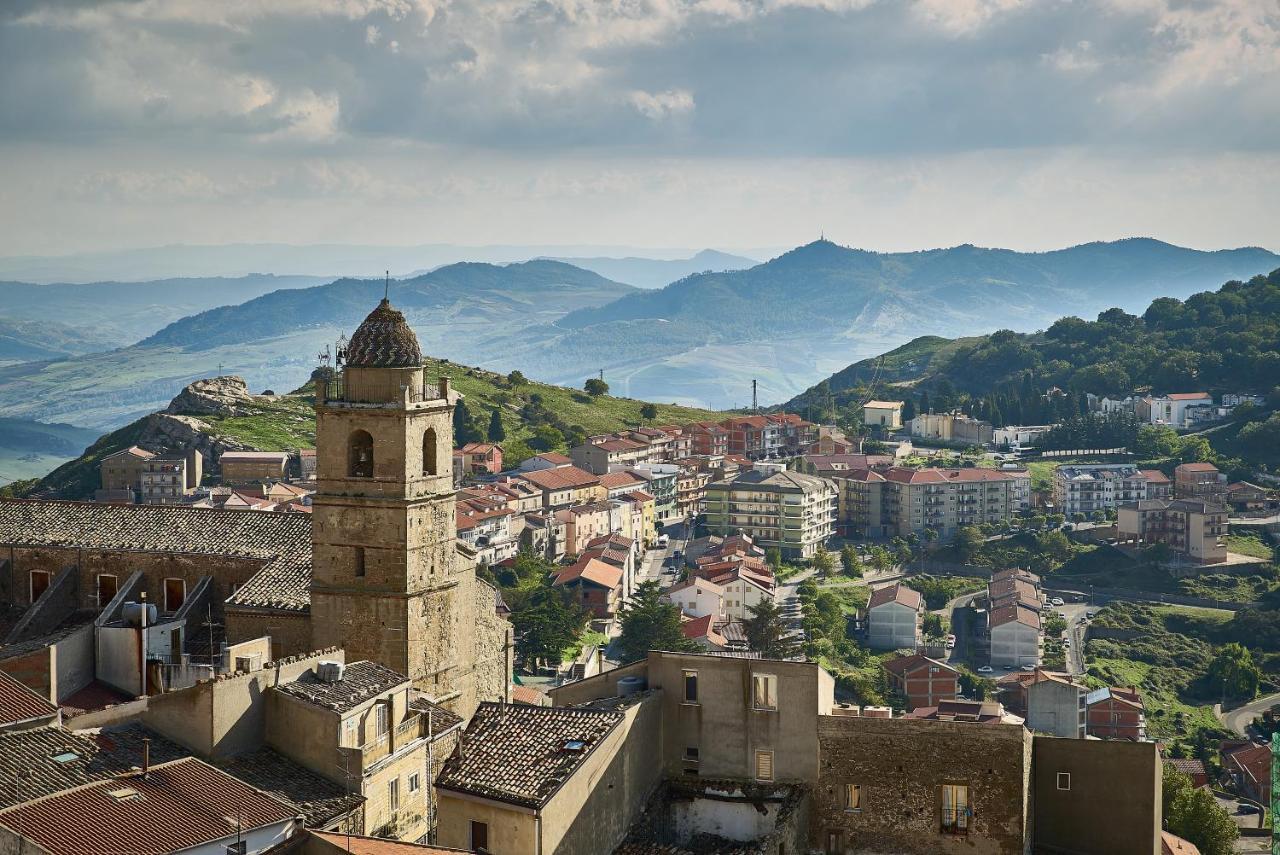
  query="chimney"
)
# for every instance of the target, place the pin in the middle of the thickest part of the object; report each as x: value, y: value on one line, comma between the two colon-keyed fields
x: 146, y: 757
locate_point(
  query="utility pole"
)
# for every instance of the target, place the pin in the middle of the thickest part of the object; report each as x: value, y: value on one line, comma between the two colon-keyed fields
x: 755, y: 403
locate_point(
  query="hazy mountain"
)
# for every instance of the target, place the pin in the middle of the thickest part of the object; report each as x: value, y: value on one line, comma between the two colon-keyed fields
x: 326, y: 260
x: 107, y: 315
x: 467, y: 312
x: 813, y: 310
x: 656, y: 272
x: 24, y: 341
x: 29, y: 449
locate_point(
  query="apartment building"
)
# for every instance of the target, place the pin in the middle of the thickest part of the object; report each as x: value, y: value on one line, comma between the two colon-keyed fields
x: 1199, y: 481
x: 1085, y: 488
x: 1014, y: 634
x: 1056, y: 705
x: 1192, y: 527
x: 245, y: 467
x: 661, y: 480
x: 1173, y: 410
x: 697, y: 598
x: 707, y: 438
x: 169, y: 479
x: 952, y: 427
x: 772, y: 435
x: 563, y: 486
x: 1116, y: 713
x: 604, y: 454
x: 793, y: 512
x: 882, y: 414
x: 895, y: 501
x: 924, y: 682
x: 895, y: 615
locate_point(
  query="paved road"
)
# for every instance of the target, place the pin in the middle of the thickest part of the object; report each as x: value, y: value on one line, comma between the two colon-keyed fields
x: 1239, y: 719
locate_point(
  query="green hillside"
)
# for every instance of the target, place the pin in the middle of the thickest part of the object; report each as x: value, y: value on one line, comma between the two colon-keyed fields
x: 535, y: 417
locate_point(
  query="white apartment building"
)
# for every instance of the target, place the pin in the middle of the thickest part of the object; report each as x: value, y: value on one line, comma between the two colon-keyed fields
x: 894, y: 618
x: 1083, y: 489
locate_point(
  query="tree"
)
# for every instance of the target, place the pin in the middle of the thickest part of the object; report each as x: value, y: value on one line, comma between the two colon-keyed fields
x: 515, y: 378
x: 932, y: 625
x: 648, y: 412
x: 1233, y: 672
x: 823, y: 561
x: 497, y: 433
x: 651, y: 623
x: 1195, y: 816
x: 773, y: 557
x: 969, y: 542
x: 850, y: 562
x: 465, y: 428
x: 549, y: 622
x: 595, y: 387
x: 766, y: 634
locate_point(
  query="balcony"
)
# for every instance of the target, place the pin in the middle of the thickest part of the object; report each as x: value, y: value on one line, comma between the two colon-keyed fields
x: 413, y: 727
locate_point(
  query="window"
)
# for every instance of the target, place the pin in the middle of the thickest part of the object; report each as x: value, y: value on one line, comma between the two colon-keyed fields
x: 393, y: 793
x: 39, y: 583
x: 429, y: 453
x: 360, y: 455
x: 853, y: 797
x: 835, y: 843
x: 175, y: 592
x: 1064, y: 780
x: 106, y: 589
x: 955, y: 809
x: 690, y: 754
x: 764, y: 765
x: 479, y: 836
x: 382, y: 718
x: 690, y: 687
x: 415, y: 782
x: 357, y: 561
x: 765, y: 691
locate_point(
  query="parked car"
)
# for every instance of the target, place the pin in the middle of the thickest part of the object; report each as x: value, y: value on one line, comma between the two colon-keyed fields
x: 1056, y: 601
x: 1028, y: 668
x: 986, y: 669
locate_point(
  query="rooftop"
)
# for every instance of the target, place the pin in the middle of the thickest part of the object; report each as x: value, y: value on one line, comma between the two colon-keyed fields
x: 592, y: 570
x: 895, y: 593
x: 384, y: 340
x: 1014, y: 613
x: 906, y: 664
x: 360, y: 682
x: 18, y: 703
x: 317, y: 799
x: 523, y: 754
x: 560, y: 478
x: 178, y: 805
x: 282, y: 542
x: 357, y: 845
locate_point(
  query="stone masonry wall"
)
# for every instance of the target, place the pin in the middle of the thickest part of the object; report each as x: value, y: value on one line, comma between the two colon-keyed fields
x: 901, y: 765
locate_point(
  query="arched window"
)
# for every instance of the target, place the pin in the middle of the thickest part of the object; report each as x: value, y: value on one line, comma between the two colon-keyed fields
x: 360, y: 455
x: 429, y: 453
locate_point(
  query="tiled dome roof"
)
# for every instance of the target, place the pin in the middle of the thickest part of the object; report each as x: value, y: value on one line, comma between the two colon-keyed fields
x: 384, y: 340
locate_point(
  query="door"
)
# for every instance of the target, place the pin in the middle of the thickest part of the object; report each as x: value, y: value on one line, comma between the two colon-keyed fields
x: 106, y: 589
x: 175, y: 591
x: 39, y: 583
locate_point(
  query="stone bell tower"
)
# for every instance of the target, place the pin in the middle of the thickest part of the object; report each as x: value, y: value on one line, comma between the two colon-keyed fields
x: 388, y: 583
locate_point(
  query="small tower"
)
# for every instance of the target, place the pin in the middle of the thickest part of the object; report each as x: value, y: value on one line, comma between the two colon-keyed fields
x: 387, y: 581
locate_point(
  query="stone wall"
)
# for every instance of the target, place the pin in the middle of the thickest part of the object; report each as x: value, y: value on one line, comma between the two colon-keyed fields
x: 290, y: 632
x: 901, y: 766
x: 60, y: 666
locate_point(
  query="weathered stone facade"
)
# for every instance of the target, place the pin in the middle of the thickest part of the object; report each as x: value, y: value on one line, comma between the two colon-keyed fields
x: 901, y: 766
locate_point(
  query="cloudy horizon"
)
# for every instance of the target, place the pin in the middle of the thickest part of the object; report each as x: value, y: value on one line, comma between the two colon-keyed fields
x: 679, y: 123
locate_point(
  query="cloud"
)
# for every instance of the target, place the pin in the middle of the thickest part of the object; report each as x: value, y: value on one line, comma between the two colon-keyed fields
x: 662, y: 105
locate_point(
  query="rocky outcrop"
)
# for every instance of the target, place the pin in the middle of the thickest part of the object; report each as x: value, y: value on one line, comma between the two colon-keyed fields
x: 216, y: 396
x: 165, y: 433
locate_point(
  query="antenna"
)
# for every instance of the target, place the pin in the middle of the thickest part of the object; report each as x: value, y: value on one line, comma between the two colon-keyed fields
x: 386, y: 288
x: 755, y: 403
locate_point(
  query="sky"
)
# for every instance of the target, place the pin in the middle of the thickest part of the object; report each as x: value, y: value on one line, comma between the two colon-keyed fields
x: 676, y: 123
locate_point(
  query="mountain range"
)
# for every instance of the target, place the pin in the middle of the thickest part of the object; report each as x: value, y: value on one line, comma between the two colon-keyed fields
x: 700, y: 340
x: 657, y: 272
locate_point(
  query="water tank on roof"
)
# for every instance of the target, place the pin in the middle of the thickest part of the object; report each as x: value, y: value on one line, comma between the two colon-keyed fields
x: 132, y: 613
x: 630, y: 685
x: 329, y: 672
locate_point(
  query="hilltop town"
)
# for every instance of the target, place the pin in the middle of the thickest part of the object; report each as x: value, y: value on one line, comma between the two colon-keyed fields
x: 899, y: 630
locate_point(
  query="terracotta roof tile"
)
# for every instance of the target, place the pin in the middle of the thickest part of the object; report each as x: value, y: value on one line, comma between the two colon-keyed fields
x: 360, y: 682
x: 357, y: 845
x: 18, y: 703
x: 895, y: 593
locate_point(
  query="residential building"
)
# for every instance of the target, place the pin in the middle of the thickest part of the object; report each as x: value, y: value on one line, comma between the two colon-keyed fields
x: 1248, y: 766
x: 1193, y: 528
x: 1172, y: 844
x: 564, y: 486
x: 1020, y: 436
x: 246, y: 467
x: 924, y: 682
x: 583, y: 524
x: 696, y: 597
x: 545, y: 460
x: 953, y: 428
x: 487, y: 527
x: 895, y: 615
x: 1199, y: 481
x: 691, y: 491
x: 831, y: 440
x: 708, y: 438
x: 793, y: 512
x: 609, y: 453
x: 622, y: 481
x: 967, y: 710
x: 766, y: 436
x: 704, y: 632
x: 661, y: 482
x: 123, y: 470
x: 1172, y: 410
x: 1159, y: 486
x: 899, y: 501
x: 1117, y: 713
x: 1246, y: 496
x: 169, y: 479
x: 743, y: 591
x: 886, y: 415
x: 478, y: 457
x: 596, y: 585
x: 21, y: 708
x: 1056, y: 705
x: 1087, y: 488
x: 1194, y: 769
x: 184, y: 805
x: 1014, y: 633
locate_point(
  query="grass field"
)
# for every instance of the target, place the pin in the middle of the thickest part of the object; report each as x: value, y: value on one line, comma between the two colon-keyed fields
x: 1249, y: 544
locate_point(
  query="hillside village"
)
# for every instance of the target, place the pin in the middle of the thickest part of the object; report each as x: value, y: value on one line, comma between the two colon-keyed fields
x: 889, y: 634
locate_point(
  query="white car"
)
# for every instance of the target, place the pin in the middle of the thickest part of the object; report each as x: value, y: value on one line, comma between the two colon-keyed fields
x: 986, y: 669
x: 1056, y: 601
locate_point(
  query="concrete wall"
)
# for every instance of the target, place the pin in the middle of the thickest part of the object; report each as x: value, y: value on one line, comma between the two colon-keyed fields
x: 512, y: 830
x: 901, y: 766
x: 593, y: 810
x: 290, y: 632
x: 227, y: 715
x: 1113, y: 804
x: 59, y: 669
x: 603, y: 685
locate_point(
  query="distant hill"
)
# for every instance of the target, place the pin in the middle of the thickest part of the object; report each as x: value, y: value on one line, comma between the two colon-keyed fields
x: 106, y: 315
x: 469, y: 312
x: 657, y: 272
x: 809, y: 312
x: 25, y: 341
x: 287, y: 423
x: 30, y: 449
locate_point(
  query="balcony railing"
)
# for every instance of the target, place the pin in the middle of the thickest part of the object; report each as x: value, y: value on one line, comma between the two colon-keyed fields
x: 956, y: 820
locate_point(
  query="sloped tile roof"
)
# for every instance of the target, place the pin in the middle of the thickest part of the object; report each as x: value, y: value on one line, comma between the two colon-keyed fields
x: 593, y: 570
x: 318, y: 799
x: 360, y: 682
x: 560, y: 478
x: 522, y: 754
x: 895, y: 593
x: 357, y: 845
x: 179, y: 805
x: 18, y: 703
x: 282, y: 542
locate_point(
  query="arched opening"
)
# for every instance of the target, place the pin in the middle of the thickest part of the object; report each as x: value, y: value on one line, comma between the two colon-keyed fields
x: 360, y: 455
x: 429, y: 463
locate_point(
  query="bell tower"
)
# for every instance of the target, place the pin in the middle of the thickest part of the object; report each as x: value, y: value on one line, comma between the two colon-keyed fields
x: 387, y: 581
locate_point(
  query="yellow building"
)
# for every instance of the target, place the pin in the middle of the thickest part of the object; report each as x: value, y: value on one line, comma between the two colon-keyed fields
x: 882, y: 414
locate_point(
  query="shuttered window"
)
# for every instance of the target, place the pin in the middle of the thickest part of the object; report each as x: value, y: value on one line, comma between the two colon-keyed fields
x: 764, y: 765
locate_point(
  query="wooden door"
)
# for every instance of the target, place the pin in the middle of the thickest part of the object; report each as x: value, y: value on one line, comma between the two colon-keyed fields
x: 175, y: 591
x: 39, y: 583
